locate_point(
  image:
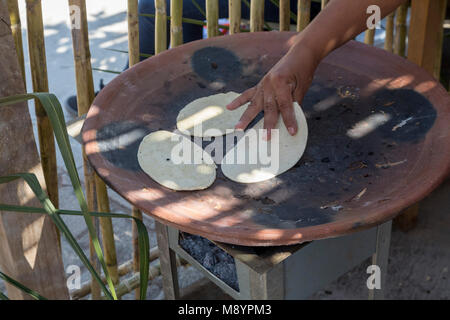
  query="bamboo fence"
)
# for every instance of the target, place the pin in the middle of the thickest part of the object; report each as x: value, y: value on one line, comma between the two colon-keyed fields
x: 96, y: 192
x: 234, y: 11
x: 285, y: 15
x: 256, y: 15
x: 38, y: 64
x: 134, y: 58
x: 389, y: 40
x: 303, y: 14
x: 176, y: 23
x: 212, y: 18
x: 401, y: 30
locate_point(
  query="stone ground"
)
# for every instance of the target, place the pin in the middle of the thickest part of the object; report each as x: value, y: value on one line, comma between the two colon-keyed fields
x: 419, y: 260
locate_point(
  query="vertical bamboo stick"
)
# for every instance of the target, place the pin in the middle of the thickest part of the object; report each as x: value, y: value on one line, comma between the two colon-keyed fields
x: 440, y: 37
x: 285, y: 15
x: 160, y: 26
x: 389, y: 40
x: 96, y: 192
x: 38, y: 63
x: 256, y: 15
x: 212, y: 17
x: 107, y: 230
x: 16, y: 28
x: 134, y: 56
x: 133, y: 32
x: 400, y: 30
x: 324, y: 3
x: 303, y: 14
x: 176, y: 23
x: 369, y: 37
x: 234, y: 11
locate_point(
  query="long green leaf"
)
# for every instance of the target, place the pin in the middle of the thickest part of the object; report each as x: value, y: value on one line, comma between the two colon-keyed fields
x: 143, y: 239
x: 20, y: 286
x: 54, y: 111
x: 3, y: 296
x: 199, y: 8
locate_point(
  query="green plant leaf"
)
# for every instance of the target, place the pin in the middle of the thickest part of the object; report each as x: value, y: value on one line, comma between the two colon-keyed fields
x: 199, y: 8
x: 143, y: 239
x: 3, y: 296
x: 21, y: 287
x: 54, y: 111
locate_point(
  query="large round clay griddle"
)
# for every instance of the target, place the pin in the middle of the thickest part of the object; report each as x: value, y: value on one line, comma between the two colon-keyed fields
x: 341, y: 185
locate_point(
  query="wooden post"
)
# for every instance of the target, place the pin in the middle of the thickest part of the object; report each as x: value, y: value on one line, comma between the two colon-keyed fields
x: 160, y: 26
x: 16, y: 28
x: 38, y: 63
x: 234, y: 10
x: 256, y: 15
x: 212, y: 17
x: 285, y: 15
x: 96, y: 192
x: 425, y: 34
x: 134, y: 57
x: 303, y: 14
x: 424, y: 49
x: 176, y: 23
x: 400, y: 30
x: 29, y: 251
x: 389, y: 39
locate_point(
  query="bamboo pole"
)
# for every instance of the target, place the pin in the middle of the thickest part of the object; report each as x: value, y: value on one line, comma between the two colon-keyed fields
x: 212, y: 18
x: 389, y: 40
x: 369, y: 36
x: 285, y: 15
x: 234, y: 11
x: 160, y: 26
x: 39, y: 77
x: 400, y: 30
x: 256, y: 15
x: 176, y: 23
x: 133, y: 32
x: 440, y: 45
x: 303, y: 14
x: 96, y: 192
x: 107, y: 230
x: 16, y: 28
x: 134, y: 57
x: 324, y: 3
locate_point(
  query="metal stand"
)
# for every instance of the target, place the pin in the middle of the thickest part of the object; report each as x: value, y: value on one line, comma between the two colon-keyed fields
x: 285, y: 272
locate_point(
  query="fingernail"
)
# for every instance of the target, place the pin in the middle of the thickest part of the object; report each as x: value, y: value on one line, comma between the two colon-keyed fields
x: 291, y: 131
x: 266, y: 135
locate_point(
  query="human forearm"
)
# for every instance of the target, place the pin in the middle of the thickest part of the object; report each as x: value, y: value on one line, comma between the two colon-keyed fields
x: 338, y: 23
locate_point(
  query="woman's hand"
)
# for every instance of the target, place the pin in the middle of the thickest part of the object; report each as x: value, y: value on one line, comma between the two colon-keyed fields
x: 285, y: 83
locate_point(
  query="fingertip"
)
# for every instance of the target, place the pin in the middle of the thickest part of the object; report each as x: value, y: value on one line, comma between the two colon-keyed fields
x: 292, y: 131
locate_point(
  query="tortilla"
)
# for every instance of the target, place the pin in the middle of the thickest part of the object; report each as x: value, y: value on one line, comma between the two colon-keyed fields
x: 255, y: 168
x: 161, y: 156
x: 209, y: 117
